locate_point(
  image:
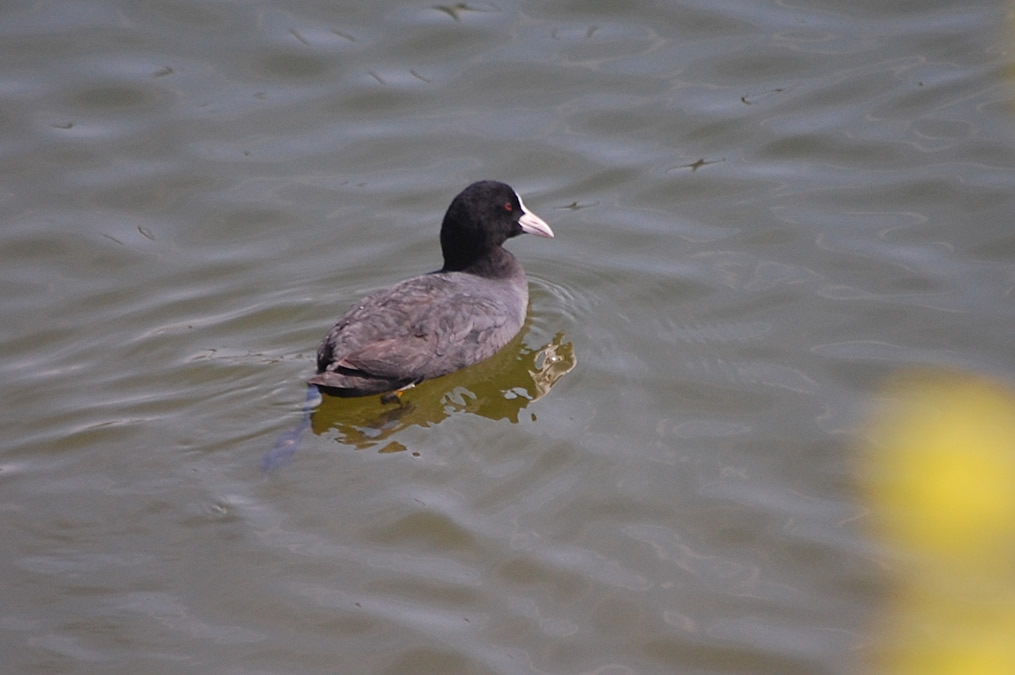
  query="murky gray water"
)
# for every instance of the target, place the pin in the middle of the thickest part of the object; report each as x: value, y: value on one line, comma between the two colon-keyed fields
x: 761, y: 208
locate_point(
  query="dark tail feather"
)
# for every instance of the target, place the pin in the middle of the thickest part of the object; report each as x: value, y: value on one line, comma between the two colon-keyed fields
x: 289, y: 442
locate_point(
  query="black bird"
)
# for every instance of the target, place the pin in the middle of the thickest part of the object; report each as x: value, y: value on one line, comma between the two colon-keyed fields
x: 437, y: 323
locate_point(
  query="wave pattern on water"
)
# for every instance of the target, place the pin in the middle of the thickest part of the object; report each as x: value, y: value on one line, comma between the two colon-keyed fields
x: 761, y: 210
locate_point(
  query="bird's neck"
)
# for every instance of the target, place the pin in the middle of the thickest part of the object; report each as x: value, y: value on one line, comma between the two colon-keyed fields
x: 496, y: 263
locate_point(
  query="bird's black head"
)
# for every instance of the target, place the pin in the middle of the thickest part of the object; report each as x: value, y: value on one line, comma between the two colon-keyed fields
x: 481, y: 218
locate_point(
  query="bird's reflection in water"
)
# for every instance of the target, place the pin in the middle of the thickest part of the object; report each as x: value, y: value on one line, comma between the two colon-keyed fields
x: 498, y: 388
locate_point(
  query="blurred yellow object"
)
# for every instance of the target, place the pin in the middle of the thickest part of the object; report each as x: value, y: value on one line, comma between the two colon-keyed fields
x: 939, y: 472
x: 934, y: 631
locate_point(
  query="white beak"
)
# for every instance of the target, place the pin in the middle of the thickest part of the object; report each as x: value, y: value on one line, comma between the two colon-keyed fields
x: 533, y: 224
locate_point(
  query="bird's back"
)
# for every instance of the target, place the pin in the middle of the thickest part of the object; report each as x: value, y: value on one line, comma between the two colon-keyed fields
x: 422, y: 328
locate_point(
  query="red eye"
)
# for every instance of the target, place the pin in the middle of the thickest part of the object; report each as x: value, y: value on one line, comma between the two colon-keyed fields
x: 508, y: 207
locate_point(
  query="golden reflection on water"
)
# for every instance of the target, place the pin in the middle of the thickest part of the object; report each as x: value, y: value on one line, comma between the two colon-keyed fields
x: 499, y: 388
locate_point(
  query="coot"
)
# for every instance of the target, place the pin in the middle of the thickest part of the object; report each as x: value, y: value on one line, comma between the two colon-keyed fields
x: 437, y: 323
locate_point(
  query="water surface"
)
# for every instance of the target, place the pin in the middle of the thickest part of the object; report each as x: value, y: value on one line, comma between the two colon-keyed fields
x: 762, y: 209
